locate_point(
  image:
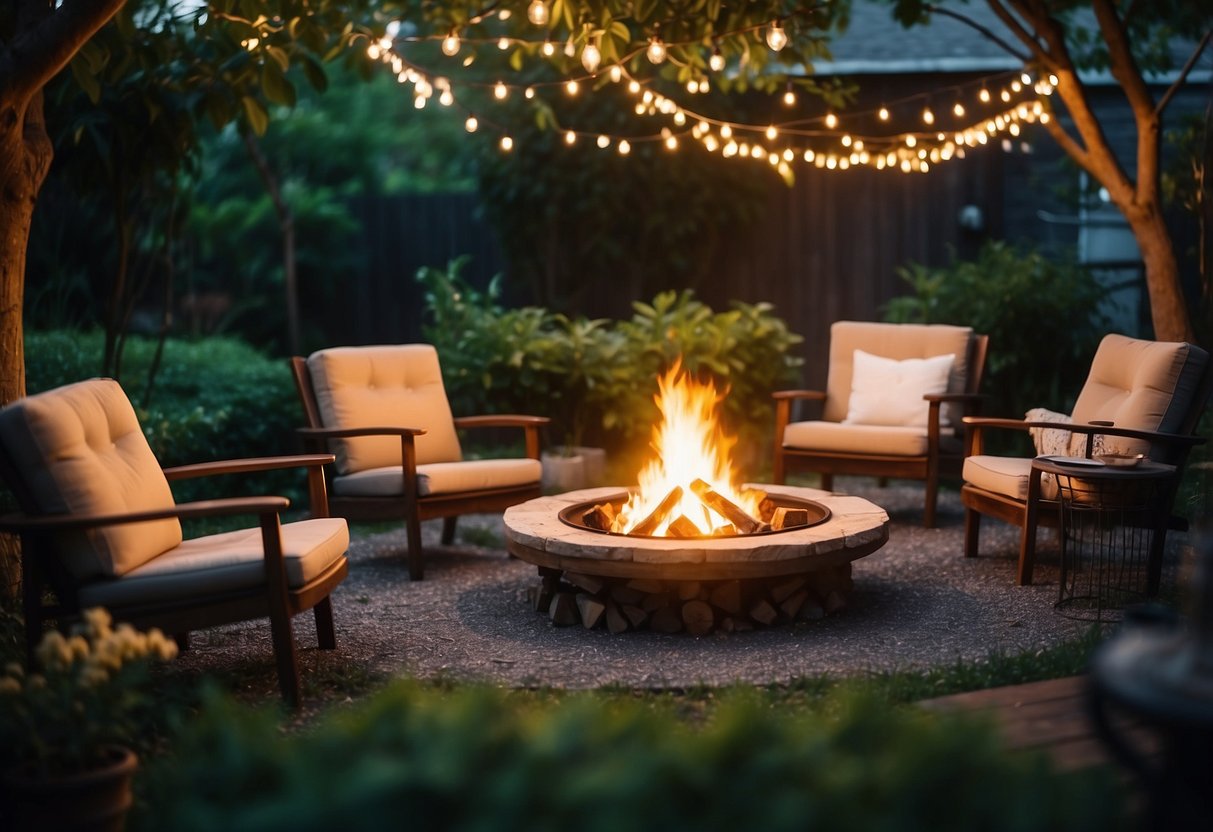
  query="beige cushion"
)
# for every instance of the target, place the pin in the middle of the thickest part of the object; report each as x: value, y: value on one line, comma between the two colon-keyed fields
x: 886, y: 391
x: 1148, y: 385
x: 1050, y: 441
x: 79, y: 450
x: 441, y: 478
x: 387, y: 386
x: 225, y: 562
x: 837, y: 437
x: 1005, y: 475
x: 898, y: 341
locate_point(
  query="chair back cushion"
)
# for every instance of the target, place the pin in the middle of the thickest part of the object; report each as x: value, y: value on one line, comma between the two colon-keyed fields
x: 79, y: 450
x: 384, y: 386
x: 1147, y: 385
x: 897, y: 341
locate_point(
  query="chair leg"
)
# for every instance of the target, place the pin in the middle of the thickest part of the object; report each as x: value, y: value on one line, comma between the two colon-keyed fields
x: 448, y: 530
x: 284, y: 655
x: 972, y: 532
x: 416, y: 568
x: 326, y: 635
x: 779, y: 469
x: 928, y: 511
x: 827, y: 482
x: 1027, y: 546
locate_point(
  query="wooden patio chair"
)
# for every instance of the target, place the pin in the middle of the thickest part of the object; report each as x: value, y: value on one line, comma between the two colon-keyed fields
x: 100, y: 528
x: 385, y: 412
x: 899, y: 416
x: 1140, y: 396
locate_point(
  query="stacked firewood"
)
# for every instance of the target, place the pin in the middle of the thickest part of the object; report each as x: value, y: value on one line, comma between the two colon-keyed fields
x: 695, y: 607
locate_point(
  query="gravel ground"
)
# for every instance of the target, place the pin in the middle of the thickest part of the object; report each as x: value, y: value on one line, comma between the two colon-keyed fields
x: 917, y: 603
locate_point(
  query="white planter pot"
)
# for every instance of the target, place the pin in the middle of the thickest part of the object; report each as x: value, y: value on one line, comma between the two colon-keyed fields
x: 595, y: 464
x: 563, y: 473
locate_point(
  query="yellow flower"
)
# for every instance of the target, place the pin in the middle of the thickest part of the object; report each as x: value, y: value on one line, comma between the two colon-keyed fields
x: 79, y: 647
x: 98, y: 621
x: 91, y: 675
x: 9, y: 685
x: 53, y: 651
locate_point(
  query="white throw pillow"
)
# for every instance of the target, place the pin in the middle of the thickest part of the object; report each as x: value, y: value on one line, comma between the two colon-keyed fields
x: 885, y: 391
x: 1049, y: 441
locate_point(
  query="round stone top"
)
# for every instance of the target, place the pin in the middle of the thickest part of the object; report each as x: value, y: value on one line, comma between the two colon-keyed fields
x: 534, y: 533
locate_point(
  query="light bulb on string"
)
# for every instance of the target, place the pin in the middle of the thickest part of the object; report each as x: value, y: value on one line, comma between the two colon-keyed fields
x: 503, y: 44
x: 570, y: 137
x: 500, y: 91
x: 771, y: 132
x: 471, y: 125
x: 450, y: 44
x: 625, y: 147
x: 671, y: 143
x: 529, y: 92
x: 604, y: 142
x: 831, y: 120
x: 548, y: 48
x: 883, y: 114
x: 507, y: 144
x: 616, y: 73
x: 1026, y: 78
x: 447, y: 98
x: 572, y: 87
x: 537, y: 12
x: 726, y: 132
x: 777, y: 38
x: 656, y: 51
x: 591, y: 57
x: 570, y: 48
x: 1052, y: 80
x: 1004, y: 95
x: 692, y: 86
x: 958, y: 109
x: 928, y: 117
x: 716, y: 62
x: 789, y: 95
x: 984, y: 96
x: 704, y: 86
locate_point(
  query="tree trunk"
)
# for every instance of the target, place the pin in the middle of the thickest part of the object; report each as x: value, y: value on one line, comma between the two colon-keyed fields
x: 1168, y: 308
x: 25, y: 158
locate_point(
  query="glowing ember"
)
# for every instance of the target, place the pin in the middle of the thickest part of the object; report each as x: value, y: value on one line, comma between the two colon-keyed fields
x: 690, y: 445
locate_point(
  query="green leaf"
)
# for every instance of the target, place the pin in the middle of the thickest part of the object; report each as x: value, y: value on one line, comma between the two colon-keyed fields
x: 277, y: 88
x: 280, y: 56
x: 258, y: 118
x: 86, y: 80
x: 314, y: 73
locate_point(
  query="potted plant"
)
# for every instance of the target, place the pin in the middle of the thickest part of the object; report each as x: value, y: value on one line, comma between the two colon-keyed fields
x: 66, y: 729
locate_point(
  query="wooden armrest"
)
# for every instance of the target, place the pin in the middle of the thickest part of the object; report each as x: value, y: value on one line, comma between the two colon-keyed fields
x: 341, y: 433
x: 242, y: 466
x: 1129, y: 433
x: 501, y: 420
x: 1010, y: 424
x: 790, y: 395
x: 203, y: 508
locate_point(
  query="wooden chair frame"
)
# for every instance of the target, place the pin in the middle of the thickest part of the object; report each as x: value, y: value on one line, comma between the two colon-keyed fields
x: 411, y: 506
x: 1035, y: 511
x: 930, y: 467
x: 274, y: 599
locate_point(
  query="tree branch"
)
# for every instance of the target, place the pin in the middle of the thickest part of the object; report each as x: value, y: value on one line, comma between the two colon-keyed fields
x: 1122, y: 63
x: 1183, y: 75
x: 41, y: 49
x: 985, y: 32
x: 1029, y: 39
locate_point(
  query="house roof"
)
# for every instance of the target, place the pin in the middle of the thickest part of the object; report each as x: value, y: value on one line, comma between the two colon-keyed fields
x: 874, y: 43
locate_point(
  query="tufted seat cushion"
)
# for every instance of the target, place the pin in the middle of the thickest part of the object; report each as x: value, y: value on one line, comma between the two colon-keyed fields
x: 441, y: 478
x: 225, y: 562
x: 79, y: 450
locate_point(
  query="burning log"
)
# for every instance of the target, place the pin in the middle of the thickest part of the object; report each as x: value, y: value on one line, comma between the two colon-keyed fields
x: 786, y: 517
x: 649, y: 524
x: 725, y: 507
x: 681, y: 526
x: 600, y: 517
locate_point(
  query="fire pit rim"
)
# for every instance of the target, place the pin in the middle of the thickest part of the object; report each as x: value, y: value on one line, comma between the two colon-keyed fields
x: 566, y: 514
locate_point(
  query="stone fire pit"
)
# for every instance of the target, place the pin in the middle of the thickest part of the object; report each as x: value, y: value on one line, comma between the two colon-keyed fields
x: 699, y: 585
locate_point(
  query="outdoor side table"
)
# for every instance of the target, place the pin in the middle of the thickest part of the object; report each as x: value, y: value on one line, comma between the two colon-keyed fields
x: 1112, y: 524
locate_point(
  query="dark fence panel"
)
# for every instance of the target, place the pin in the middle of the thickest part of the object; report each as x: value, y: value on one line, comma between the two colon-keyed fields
x: 401, y: 234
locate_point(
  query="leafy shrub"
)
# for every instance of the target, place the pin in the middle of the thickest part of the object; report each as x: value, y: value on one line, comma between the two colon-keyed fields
x: 214, y: 398
x: 479, y: 759
x: 598, y: 377
x: 1041, y: 315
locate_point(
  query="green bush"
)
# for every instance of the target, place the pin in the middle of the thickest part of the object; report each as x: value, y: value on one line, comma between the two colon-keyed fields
x: 1041, y: 315
x: 481, y: 759
x: 597, y: 378
x: 213, y: 398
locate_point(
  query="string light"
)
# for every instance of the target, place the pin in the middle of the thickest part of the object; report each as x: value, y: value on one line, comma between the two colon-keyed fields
x: 528, y: 93
x: 984, y: 95
x: 616, y: 73
x: 503, y: 44
x: 772, y: 132
x: 570, y: 137
x: 656, y: 50
x: 958, y: 109
x: 572, y: 87
x: 928, y: 117
x: 716, y: 62
x: 549, y: 49
x: 507, y: 144
x: 450, y: 44
x: 777, y: 38
x: 591, y: 56
x: 883, y: 113
x: 537, y: 12
x: 831, y: 120
x: 604, y: 142
x: 500, y: 91
x: 789, y: 95
x: 471, y: 124
x: 625, y: 147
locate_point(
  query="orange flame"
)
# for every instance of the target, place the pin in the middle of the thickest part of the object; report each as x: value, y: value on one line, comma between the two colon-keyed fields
x: 690, y: 445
